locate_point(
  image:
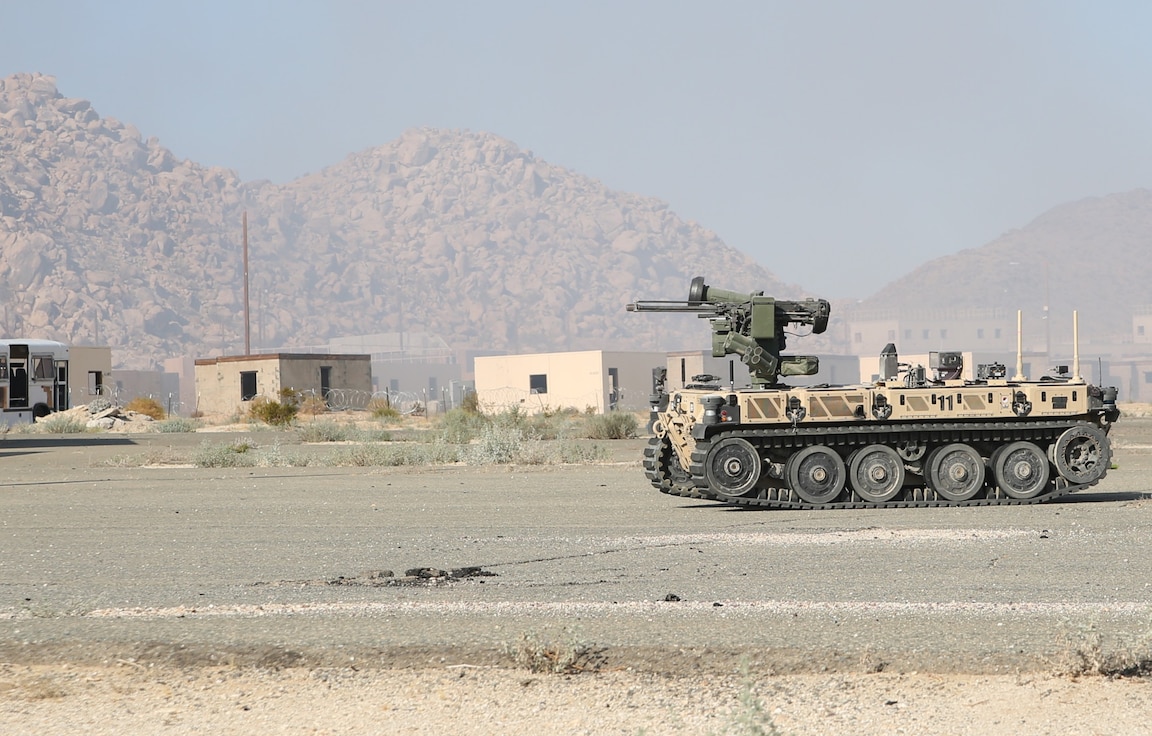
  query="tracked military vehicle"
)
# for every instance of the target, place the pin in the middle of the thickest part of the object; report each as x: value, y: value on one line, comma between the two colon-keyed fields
x: 914, y: 437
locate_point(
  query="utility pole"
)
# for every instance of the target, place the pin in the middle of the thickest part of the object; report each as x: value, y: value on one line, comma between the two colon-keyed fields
x: 247, y: 315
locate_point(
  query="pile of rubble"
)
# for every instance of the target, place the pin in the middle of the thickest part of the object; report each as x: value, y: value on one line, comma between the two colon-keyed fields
x: 102, y: 414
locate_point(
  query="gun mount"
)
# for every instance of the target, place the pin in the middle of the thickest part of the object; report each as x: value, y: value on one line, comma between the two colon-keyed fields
x: 751, y: 326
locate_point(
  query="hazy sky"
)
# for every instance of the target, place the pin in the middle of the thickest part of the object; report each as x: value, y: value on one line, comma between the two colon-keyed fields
x: 839, y: 143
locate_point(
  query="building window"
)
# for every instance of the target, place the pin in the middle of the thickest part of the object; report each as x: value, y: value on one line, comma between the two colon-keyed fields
x: 907, y: 334
x: 997, y: 334
x: 247, y: 385
x: 924, y: 334
x: 858, y: 337
x: 433, y: 385
x: 325, y: 381
x: 1147, y: 376
x: 943, y: 334
x: 891, y: 335
x: 394, y: 385
x: 613, y: 388
x: 538, y: 383
x: 95, y: 382
x: 980, y: 333
x: 1140, y: 330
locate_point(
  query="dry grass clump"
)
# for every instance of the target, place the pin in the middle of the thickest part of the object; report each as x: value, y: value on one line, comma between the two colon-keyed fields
x: 313, y: 405
x: 568, y: 656
x: 1084, y: 654
x: 147, y: 406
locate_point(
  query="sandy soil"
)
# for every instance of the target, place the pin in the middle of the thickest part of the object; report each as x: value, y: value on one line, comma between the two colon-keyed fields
x: 126, y: 698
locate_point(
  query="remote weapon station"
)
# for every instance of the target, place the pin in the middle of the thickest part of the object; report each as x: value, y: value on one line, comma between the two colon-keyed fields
x: 911, y: 438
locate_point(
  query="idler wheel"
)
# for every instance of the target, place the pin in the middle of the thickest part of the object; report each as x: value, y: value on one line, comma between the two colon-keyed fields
x: 955, y: 471
x: 1021, y: 469
x: 816, y: 474
x: 876, y: 473
x: 1082, y: 454
x: 732, y: 467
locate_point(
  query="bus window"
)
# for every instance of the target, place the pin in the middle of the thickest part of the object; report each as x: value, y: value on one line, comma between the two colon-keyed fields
x: 42, y: 368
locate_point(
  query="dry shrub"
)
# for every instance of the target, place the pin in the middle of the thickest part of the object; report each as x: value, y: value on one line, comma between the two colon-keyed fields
x: 383, y: 410
x: 313, y: 405
x: 148, y: 406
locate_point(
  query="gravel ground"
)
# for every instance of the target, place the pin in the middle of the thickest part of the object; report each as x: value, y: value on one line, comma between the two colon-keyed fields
x: 180, y: 600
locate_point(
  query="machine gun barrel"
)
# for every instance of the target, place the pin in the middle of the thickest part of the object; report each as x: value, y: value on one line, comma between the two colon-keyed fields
x: 675, y: 306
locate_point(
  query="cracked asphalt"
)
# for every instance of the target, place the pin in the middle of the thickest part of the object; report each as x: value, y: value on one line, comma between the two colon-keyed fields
x: 283, y: 565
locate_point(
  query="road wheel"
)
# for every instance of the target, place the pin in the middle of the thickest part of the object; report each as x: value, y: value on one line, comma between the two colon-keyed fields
x: 1021, y: 469
x: 816, y: 473
x: 955, y: 471
x: 876, y: 473
x: 732, y: 467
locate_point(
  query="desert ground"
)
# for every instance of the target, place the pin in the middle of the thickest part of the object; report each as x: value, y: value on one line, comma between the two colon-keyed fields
x: 149, y: 597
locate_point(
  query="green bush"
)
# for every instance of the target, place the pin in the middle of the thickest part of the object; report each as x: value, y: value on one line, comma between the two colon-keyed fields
x: 382, y: 410
x: 615, y: 425
x: 460, y: 427
x: 324, y: 432
x: 277, y: 457
x: 236, y: 454
x: 398, y: 453
x: 497, y: 445
x: 175, y: 424
x: 275, y: 413
x: 546, y: 425
x: 471, y: 403
x: 61, y: 424
x: 567, y: 452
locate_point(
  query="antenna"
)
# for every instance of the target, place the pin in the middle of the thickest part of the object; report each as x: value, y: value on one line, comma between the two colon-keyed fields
x: 1076, y: 346
x: 1019, y: 346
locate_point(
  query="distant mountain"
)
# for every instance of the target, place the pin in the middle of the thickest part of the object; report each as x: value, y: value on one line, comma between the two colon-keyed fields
x: 1093, y: 256
x: 108, y: 238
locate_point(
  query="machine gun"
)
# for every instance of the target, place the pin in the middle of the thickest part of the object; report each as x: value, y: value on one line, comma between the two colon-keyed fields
x: 751, y: 326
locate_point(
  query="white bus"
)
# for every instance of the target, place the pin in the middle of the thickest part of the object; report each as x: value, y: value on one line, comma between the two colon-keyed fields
x: 33, y: 379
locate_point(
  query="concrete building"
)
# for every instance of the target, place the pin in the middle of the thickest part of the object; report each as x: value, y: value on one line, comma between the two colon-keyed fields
x: 596, y: 379
x: 1132, y: 376
x: 1142, y: 325
x: 89, y: 373
x: 921, y: 331
x: 226, y: 384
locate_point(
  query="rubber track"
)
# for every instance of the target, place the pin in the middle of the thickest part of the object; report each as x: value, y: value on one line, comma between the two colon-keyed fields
x: 911, y: 497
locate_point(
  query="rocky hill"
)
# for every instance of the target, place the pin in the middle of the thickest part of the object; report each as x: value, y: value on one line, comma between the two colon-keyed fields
x: 1092, y: 255
x: 108, y: 238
